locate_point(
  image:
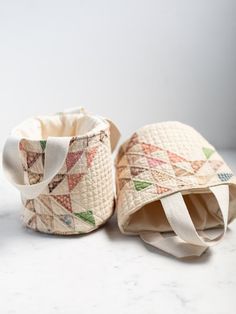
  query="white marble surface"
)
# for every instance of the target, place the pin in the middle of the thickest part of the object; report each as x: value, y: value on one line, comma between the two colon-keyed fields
x: 106, y: 272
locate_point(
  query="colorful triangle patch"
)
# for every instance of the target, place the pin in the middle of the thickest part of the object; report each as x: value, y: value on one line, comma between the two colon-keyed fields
x: 180, y: 172
x: 86, y: 216
x: 74, y: 179
x: 174, y: 158
x: 34, y: 177
x: 224, y: 176
x: 160, y: 176
x: 149, y: 148
x: 215, y: 164
x: 208, y: 152
x: 43, y: 144
x: 72, y: 159
x: 197, y: 164
x: 140, y: 185
x: 122, y: 183
x: 55, y: 182
x: 134, y: 140
x: 90, y: 155
x: 135, y: 171
x: 31, y: 158
x: 64, y: 200
x: 154, y: 162
x: 162, y: 189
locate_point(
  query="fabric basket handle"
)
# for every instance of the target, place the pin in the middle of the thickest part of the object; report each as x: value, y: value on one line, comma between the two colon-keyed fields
x: 55, y: 155
x: 187, y: 241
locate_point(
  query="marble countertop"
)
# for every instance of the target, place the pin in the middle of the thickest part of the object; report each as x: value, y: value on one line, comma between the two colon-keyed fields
x: 107, y: 272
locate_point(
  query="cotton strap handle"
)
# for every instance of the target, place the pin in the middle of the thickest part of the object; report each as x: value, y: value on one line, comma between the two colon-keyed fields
x: 55, y: 156
x: 188, y: 241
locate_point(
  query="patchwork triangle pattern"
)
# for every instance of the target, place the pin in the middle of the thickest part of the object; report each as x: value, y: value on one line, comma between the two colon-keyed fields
x: 174, y: 157
x: 225, y: 176
x: 172, y: 169
x: 64, y: 201
x: 55, y: 182
x: 34, y: 177
x: 140, y: 185
x: 31, y: 158
x: 162, y: 189
x: 135, y: 171
x: 154, y: 162
x: 43, y: 144
x: 149, y: 148
x: 133, y: 141
x: 208, y: 152
x: 86, y: 216
x: 72, y: 159
x: 74, y: 179
x: 122, y: 182
x: 61, y: 207
x: 90, y: 155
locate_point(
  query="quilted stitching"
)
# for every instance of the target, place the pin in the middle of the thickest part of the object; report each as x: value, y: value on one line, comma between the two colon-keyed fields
x: 81, y: 196
x: 161, y: 159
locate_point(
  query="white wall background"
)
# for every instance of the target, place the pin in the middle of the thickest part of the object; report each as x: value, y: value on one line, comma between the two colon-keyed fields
x: 134, y: 61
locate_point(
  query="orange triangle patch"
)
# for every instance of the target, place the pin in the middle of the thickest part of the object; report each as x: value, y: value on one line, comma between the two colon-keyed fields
x: 180, y: 172
x: 174, y: 157
x: 162, y: 189
x: 160, y: 176
x: 197, y: 164
x: 122, y: 183
x: 149, y: 148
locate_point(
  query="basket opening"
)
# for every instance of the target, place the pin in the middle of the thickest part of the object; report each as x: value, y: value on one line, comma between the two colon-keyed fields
x: 59, y: 125
x: 202, y: 207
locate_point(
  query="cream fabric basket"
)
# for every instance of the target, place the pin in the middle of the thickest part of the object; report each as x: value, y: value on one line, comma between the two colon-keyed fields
x: 169, y: 178
x: 62, y: 165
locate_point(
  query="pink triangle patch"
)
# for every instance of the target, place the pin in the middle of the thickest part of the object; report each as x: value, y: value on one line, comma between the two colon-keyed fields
x: 64, y: 200
x: 90, y: 155
x: 197, y: 164
x: 154, y: 162
x: 74, y: 179
x: 72, y: 159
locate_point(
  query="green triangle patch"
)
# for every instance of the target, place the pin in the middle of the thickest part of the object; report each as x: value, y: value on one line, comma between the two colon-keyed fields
x: 43, y: 144
x: 140, y: 185
x: 208, y: 152
x: 86, y: 216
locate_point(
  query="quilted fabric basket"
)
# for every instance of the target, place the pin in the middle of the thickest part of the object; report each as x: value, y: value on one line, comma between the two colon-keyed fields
x: 62, y: 166
x: 169, y: 178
